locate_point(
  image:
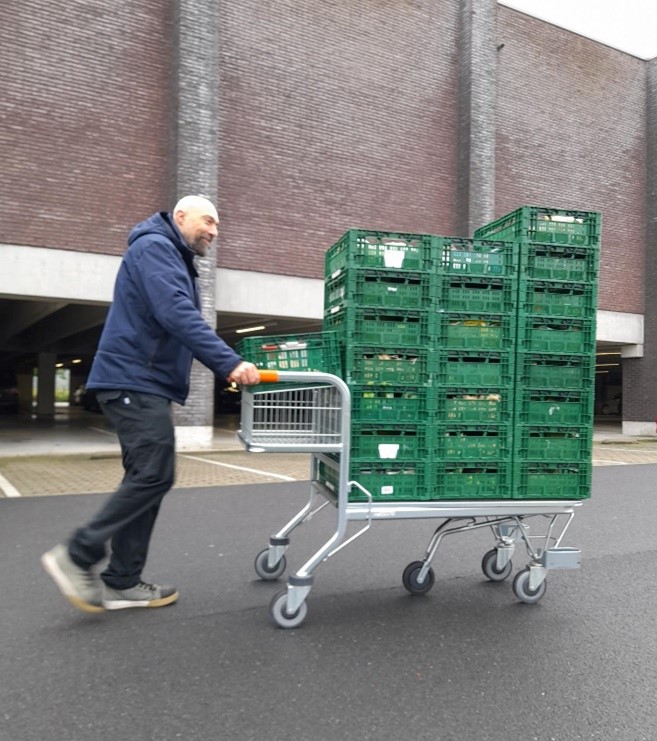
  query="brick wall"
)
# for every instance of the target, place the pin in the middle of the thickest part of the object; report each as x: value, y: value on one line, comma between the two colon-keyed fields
x: 571, y: 133
x: 640, y: 374
x: 84, y: 130
x: 333, y: 115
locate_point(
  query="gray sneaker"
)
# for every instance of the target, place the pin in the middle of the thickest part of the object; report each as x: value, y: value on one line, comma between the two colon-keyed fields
x: 81, y: 587
x: 141, y: 595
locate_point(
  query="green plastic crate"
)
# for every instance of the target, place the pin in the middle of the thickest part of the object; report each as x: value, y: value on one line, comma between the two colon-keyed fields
x: 473, y: 368
x: 472, y: 480
x: 541, y: 224
x: 474, y: 294
x: 552, y: 298
x: 378, y: 288
x: 543, y: 371
x: 389, y: 405
x: 476, y: 257
x: 388, y: 444
x: 473, y: 331
x: 554, y: 407
x: 552, y: 480
x: 554, y: 444
x: 471, y: 443
x: 557, y: 335
x: 367, y: 365
x: 559, y: 263
x: 482, y: 406
x: 386, y: 483
x: 374, y: 249
x: 384, y: 327
x: 316, y: 351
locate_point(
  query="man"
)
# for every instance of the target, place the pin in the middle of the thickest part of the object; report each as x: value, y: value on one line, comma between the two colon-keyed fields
x: 154, y: 328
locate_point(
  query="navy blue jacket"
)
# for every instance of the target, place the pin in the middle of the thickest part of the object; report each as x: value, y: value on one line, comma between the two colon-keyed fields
x: 154, y: 326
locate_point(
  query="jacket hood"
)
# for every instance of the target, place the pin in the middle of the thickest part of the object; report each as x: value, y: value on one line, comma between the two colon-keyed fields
x: 159, y: 223
x: 162, y: 224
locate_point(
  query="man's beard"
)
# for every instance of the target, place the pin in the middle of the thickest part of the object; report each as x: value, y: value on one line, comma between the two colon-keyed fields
x: 201, y: 246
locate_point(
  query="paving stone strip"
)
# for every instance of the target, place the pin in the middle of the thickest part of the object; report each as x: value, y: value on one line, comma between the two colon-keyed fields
x: 31, y: 476
x: 51, y: 475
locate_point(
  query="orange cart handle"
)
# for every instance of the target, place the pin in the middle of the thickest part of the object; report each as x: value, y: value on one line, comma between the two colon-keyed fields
x: 268, y: 376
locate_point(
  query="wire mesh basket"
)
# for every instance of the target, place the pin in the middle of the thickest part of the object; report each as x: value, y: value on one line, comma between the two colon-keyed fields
x: 303, y: 418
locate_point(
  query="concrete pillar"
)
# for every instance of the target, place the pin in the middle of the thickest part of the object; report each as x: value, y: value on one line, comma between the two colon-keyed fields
x: 24, y: 384
x: 476, y: 149
x: 196, y: 163
x: 640, y: 373
x: 46, y: 385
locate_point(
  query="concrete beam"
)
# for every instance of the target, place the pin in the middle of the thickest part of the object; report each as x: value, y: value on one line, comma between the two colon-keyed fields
x: 24, y: 314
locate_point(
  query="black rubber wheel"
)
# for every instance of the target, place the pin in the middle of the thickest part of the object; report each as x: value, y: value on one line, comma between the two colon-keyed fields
x: 410, y: 575
x: 489, y: 567
x: 523, y: 592
x: 262, y: 569
x: 281, y: 617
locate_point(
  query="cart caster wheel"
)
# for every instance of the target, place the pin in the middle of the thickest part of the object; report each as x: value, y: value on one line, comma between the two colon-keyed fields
x: 409, y: 578
x: 281, y: 617
x: 262, y: 568
x: 489, y: 567
x: 523, y: 592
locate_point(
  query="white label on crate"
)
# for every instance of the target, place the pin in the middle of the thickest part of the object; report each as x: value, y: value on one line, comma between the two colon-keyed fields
x: 293, y: 345
x: 387, y: 490
x: 392, y: 289
x: 388, y: 450
x: 564, y: 219
x: 393, y: 258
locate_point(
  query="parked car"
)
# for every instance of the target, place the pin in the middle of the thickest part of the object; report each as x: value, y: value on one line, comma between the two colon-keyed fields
x: 77, y: 396
x: 9, y: 400
x: 89, y: 401
x: 227, y: 399
x: 613, y: 406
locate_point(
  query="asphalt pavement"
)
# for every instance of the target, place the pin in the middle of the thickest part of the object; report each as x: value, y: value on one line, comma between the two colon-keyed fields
x: 465, y: 661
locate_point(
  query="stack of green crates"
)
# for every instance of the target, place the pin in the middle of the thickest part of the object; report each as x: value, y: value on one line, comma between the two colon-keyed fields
x: 473, y: 340
x: 427, y: 327
x: 555, y: 361
x: 378, y: 301
x: 470, y: 362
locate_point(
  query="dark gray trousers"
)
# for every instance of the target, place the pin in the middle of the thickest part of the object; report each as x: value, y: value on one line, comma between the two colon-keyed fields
x: 144, y: 427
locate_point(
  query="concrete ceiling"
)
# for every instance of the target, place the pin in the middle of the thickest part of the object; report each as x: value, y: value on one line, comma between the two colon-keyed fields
x: 72, y: 331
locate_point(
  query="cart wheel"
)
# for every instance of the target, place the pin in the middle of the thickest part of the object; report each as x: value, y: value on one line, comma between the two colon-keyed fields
x: 262, y: 569
x: 281, y: 617
x: 489, y: 567
x: 409, y: 578
x: 523, y: 592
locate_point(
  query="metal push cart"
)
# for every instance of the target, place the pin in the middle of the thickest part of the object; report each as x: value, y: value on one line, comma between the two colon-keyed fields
x: 310, y: 412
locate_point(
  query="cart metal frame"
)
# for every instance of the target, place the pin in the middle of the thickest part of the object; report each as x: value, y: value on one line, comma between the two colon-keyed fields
x: 310, y: 412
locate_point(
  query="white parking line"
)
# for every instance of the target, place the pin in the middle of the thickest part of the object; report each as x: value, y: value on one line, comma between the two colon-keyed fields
x: 610, y: 463
x: 631, y: 449
x: 239, y: 468
x: 8, y: 489
x: 100, y: 429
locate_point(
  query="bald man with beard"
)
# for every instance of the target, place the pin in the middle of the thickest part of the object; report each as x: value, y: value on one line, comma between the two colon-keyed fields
x: 153, y: 331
